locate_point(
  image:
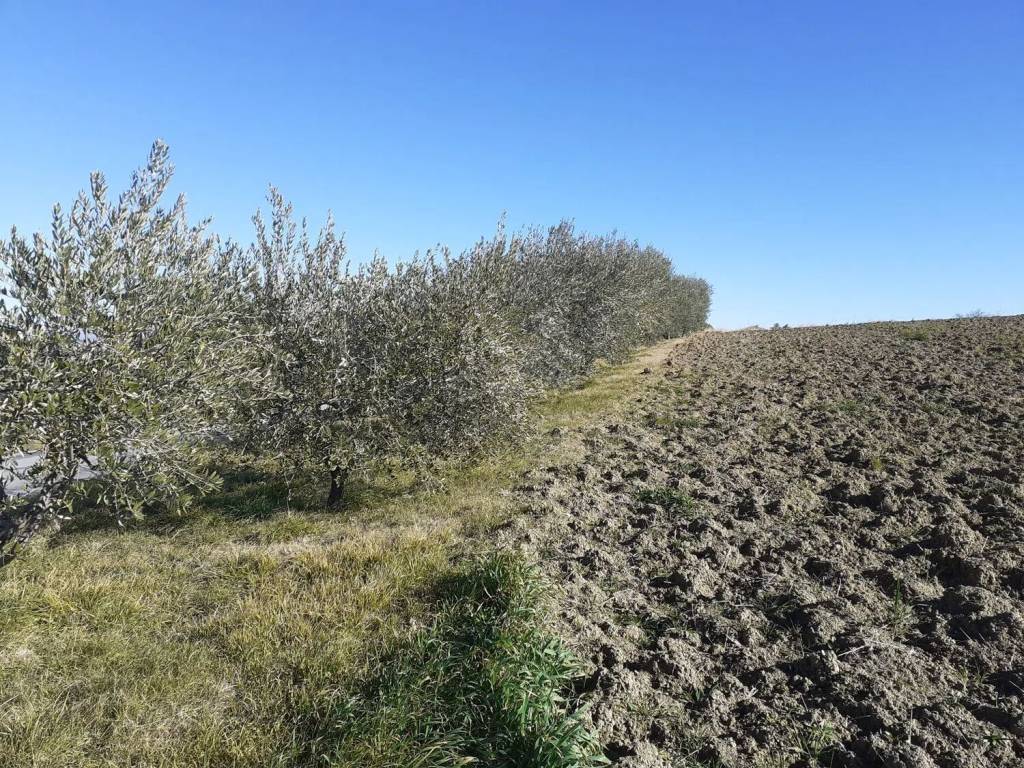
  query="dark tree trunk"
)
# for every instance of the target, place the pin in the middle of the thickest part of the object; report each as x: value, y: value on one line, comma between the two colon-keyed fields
x: 7, y: 532
x: 337, y: 492
x: 20, y: 521
x: 15, y: 531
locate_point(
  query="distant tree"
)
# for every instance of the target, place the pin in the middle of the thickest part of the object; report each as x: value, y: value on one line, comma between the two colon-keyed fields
x: 121, y: 341
x: 687, y: 303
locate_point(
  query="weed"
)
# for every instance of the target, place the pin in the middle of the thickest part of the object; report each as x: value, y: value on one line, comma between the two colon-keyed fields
x: 900, y: 613
x: 698, y: 696
x: 694, y: 746
x: 814, y: 741
x: 970, y: 678
x: 914, y: 333
x: 651, y: 624
x: 780, y: 607
x: 851, y: 407
x: 993, y: 740
x: 668, y: 421
x: 670, y: 499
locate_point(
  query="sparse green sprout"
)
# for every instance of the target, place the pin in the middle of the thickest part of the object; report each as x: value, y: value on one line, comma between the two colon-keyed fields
x: 669, y: 421
x: 901, y: 613
x: 933, y: 407
x: 993, y: 740
x: 698, y: 696
x: 814, y: 740
x: 851, y: 407
x: 670, y: 499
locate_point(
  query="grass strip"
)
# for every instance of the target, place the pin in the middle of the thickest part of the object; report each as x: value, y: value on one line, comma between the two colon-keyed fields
x: 483, y: 684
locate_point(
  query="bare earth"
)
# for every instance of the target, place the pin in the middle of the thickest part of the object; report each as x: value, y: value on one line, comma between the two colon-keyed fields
x: 802, y: 547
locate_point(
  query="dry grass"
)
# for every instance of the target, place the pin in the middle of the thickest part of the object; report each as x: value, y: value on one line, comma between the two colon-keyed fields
x: 209, y: 639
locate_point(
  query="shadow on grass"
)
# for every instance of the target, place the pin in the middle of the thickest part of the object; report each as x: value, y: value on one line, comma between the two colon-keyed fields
x: 247, y: 494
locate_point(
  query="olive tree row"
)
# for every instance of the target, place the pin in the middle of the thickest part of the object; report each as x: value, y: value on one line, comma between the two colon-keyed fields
x: 686, y: 306
x: 129, y: 338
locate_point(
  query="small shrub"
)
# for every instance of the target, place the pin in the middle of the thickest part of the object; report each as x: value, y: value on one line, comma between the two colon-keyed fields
x: 914, y: 333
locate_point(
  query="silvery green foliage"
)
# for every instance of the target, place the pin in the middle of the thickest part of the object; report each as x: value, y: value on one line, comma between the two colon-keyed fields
x: 458, y: 379
x: 687, y: 303
x: 571, y: 299
x: 375, y: 363
x: 120, y: 339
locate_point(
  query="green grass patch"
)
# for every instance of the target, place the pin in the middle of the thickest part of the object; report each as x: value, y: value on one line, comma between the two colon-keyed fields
x: 671, y: 421
x: 670, y: 499
x: 484, y: 684
x: 851, y: 407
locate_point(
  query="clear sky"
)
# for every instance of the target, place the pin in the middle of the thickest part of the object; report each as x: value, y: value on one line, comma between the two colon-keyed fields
x: 817, y: 161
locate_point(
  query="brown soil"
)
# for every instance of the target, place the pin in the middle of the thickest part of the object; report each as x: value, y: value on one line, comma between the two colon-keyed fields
x: 802, y: 547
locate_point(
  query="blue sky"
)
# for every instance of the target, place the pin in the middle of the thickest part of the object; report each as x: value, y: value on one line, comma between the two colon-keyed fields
x: 818, y: 162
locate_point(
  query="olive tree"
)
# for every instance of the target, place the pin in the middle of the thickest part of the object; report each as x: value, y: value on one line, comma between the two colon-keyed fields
x: 121, y: 341
x: 459, y: 384
x: 375, y: 363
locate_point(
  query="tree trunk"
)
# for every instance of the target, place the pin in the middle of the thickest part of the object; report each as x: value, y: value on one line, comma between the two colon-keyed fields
x: 337, y: 492
x: 15, y: 531
x: 7, y: 533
